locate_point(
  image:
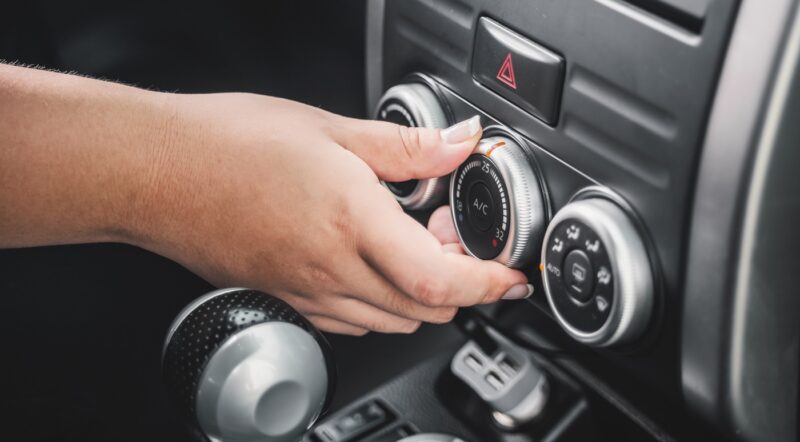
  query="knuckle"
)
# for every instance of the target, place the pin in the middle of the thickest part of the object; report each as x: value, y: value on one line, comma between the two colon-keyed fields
x: 318, y: 273
x: 343, y: 226
x: 445, y: 315
x: 393, y: 326
x: 410, y: 327
x: 431, y: 292
x: 410, y: 140
x: 376, y: 326
x: 359, y: 332
x: 398, y: 303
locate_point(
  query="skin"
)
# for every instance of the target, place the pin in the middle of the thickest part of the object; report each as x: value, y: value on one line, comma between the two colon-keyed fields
x: 244, y: 190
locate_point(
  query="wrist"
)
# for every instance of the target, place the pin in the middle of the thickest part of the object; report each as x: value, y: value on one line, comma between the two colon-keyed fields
x: 148, y: 190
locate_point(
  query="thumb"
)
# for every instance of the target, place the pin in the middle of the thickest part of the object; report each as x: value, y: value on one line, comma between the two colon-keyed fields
x: 399, y: 153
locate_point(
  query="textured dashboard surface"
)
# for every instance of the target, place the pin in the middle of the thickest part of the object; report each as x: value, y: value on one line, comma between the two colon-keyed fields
x: 635, y: 101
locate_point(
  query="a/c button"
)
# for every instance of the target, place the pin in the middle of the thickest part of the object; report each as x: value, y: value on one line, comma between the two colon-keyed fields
x: 480, y: 208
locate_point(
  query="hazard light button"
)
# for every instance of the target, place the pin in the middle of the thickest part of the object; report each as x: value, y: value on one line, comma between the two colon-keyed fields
x: 525, y: 73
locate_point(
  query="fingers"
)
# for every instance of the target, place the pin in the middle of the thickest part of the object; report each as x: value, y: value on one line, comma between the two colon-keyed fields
x: 375, y: 290
x: 409, y: 256
x: 353, y: 312
x: 360, y: 314
x: 453, y: 248
x: 399, y: 153
x: 441, y: 226
x: 331, y: 325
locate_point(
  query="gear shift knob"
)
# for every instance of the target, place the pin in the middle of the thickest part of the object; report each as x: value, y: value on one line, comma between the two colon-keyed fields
x: 244, y: 366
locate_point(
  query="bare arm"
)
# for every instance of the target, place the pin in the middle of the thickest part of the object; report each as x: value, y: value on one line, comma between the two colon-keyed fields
x: 77, y: 156
x: 244, y: 190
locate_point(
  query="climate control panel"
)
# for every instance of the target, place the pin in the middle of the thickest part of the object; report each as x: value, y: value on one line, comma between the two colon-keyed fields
x: 594, y: 262
x: 596, y: 273
x: 595, y: 267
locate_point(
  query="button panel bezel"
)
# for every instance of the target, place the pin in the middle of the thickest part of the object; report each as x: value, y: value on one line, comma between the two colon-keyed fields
x: 633, y: 300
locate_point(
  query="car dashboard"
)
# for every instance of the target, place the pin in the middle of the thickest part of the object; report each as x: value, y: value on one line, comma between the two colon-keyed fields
x: 657, y: 107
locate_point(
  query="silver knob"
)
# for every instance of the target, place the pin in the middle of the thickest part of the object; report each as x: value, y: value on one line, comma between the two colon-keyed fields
x: 414, y: 105
x: 597, y: 274
x: 244, y: 366
x: 497, y: 203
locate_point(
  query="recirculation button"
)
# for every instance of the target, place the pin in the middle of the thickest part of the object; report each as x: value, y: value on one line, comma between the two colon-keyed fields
x: 578, y: 275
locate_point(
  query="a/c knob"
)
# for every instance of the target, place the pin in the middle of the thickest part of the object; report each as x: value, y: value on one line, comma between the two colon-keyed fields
x: 497, y: 203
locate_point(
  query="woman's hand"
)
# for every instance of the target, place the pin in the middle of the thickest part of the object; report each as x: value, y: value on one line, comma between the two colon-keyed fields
x: 245, y: 190
x: 275, y: 195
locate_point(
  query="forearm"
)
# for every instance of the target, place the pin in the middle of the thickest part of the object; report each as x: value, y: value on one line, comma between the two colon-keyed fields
x: 78, y: 157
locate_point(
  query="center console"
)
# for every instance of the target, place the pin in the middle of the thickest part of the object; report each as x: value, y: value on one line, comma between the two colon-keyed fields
x: 635, y: 164
x: 608, y: 173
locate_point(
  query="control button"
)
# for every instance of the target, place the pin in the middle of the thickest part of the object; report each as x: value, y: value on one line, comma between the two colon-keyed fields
x: 579, y: 275
x: 603, y: 276
x: 525, y: 73
x: 481, y: 207
x: 414, y: 105
x: 354, y: 423
x: 602, y: 303
x: 497, y: 203
x: 607, y: 269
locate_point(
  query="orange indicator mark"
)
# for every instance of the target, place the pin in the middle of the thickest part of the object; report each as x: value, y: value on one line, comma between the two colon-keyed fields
x: 495, y: 146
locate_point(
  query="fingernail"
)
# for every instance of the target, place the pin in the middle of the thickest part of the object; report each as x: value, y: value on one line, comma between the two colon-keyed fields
x: 519, y: 291
x: 462, y: 131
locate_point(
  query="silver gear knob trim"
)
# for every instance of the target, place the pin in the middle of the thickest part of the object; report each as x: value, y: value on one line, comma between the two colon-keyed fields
x: 244, y: 366
x: 266, y: 383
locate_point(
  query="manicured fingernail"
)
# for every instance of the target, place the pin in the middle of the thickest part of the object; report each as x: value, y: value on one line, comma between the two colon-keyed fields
x: 462, y: 131
x: 519, y: 291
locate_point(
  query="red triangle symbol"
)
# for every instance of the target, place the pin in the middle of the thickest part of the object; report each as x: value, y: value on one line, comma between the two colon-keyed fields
x: 506, y: 73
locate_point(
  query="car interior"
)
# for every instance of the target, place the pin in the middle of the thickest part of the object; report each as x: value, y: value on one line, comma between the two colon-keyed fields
x: 639, y: 163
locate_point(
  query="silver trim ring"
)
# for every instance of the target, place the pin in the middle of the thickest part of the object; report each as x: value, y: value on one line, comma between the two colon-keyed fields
x: 526, y: 200
x: 421, y: 105
x: 632, y: 304
x: 188, y: 309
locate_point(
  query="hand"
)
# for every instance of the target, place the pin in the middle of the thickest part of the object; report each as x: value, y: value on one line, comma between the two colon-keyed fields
x: 275, y: 195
